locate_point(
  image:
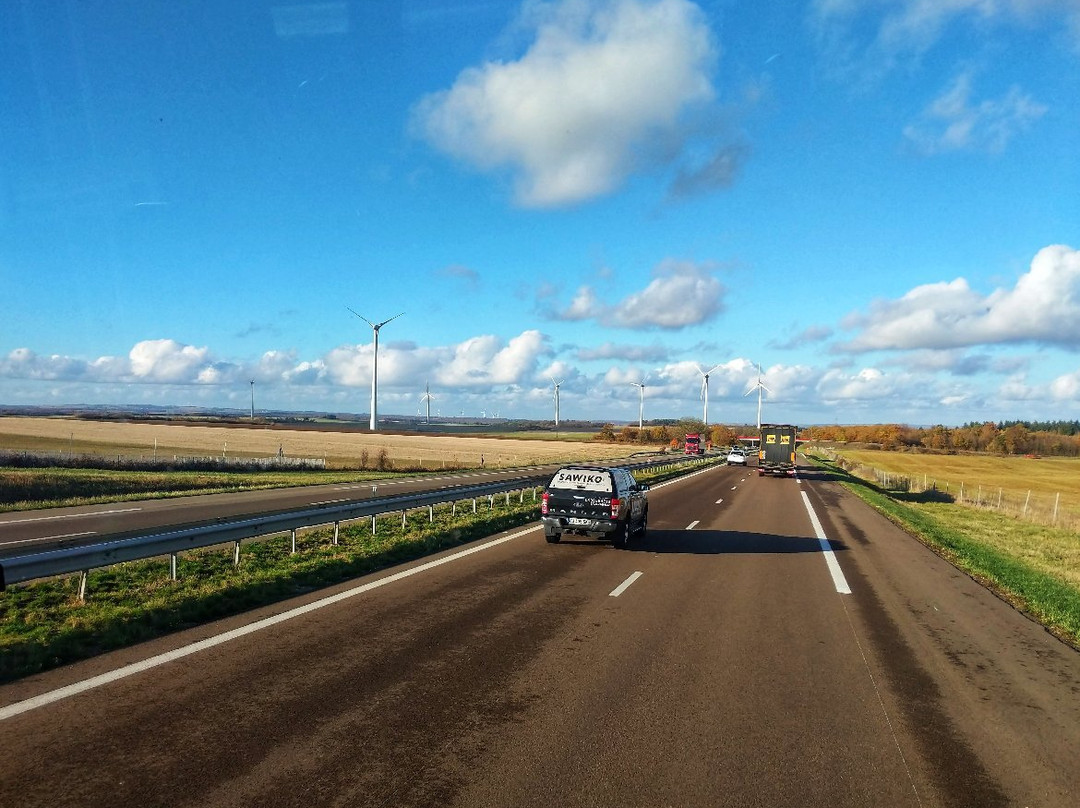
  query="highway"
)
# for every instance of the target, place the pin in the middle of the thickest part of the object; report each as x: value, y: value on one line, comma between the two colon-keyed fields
x: 44, y: 529
x: 721, y: 661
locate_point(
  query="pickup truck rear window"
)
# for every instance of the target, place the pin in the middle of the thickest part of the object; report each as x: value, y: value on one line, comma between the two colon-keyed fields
x: 581, y: 480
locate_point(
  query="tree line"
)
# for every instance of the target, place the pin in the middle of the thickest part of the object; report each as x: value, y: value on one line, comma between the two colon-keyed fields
x: 1057, y: 438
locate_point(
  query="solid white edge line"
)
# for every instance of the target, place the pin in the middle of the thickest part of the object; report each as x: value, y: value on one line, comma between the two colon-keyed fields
x: 86, y: 515
x: 41, y: 700
x: 839, y: 581
x: 614, y: 593
x: 19, y: 707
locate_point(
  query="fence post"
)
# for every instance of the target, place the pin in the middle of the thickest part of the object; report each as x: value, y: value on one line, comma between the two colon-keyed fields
x: 1026, y: 500
x: 1057, y: 499
x: 961, y: 500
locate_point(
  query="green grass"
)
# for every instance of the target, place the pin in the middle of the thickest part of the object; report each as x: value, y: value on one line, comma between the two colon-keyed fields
x: 43, y: 625
x: 23, y: 489
x: 1035, y: 568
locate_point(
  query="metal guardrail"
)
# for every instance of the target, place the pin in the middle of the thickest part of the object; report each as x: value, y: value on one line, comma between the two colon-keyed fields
x: 81, y: 559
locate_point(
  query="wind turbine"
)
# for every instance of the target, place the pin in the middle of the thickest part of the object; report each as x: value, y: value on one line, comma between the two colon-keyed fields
x: 760, y: 385
x: 252, y: 399
x: 375, y: 366
x: 557, y: 384
x: 705, y: 392
x: 427, y: 397
x: 641, y: 403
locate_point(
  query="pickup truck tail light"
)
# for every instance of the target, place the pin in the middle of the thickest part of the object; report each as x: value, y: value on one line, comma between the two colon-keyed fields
x: 544, y: 504
x: 615, y: 503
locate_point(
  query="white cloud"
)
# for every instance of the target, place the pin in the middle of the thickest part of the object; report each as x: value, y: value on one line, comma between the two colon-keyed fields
x: 885, y: 30
x: 1066, y: 387
x: 681, y: 294
x: 953, y: 123
x: 1043, y: 307
x: 166, y: 360
x: 603, y: 82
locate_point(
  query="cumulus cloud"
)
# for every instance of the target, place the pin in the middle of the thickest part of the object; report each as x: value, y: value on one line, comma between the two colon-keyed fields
x: 603, y: 83
x: 166, y: 360
x: 1043, y: 307
x: 952, y: 122
x: 680, y: 294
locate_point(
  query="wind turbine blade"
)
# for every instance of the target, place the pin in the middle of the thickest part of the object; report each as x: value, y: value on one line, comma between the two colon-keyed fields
x: 384, y: 322
x: 362, y: 317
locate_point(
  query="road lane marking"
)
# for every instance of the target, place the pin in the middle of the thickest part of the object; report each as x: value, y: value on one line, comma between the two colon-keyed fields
x: 839, y: 581
x: 19, y: 707
x: 89, y: 514
x: 719, y: 501
x: 693, y: 524
x: 614, y: 593
x: 49, y: 538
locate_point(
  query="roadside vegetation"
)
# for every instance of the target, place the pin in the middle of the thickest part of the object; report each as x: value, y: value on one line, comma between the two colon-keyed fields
x: 1035, y: 567
x: 24, y: 489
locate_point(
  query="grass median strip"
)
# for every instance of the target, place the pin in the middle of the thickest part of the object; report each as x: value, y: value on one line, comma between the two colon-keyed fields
x: 1036, y: 568
x: 43, y: 625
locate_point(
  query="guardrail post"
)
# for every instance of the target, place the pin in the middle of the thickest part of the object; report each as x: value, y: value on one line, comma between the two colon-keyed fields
x: 172, y: 566
x: 336, y: 526
x: 82, y: 585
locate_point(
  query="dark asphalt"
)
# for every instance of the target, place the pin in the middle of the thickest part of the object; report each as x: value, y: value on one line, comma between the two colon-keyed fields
x: 731, y: 672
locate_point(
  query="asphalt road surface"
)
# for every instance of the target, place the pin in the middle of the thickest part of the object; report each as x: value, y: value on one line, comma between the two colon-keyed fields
x: 44, y: 529
x: 721, y: 661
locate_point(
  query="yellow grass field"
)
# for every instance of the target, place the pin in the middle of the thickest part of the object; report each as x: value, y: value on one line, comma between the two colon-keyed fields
x: 1032, y: 487
x: 337, y: 448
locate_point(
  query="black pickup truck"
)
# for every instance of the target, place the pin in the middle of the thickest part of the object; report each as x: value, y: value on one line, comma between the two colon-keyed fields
x: 594, y: 501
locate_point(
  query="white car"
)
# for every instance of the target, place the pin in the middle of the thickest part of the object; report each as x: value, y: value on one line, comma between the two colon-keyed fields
x: 736, y: 457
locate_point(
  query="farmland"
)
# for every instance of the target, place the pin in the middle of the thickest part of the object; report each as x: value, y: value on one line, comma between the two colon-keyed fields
x: 339, y: 449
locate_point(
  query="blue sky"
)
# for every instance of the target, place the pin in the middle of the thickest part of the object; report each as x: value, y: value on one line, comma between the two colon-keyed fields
x: 876, y: 200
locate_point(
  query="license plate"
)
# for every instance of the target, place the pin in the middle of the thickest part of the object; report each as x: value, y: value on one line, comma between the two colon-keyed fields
x: 575, y: 521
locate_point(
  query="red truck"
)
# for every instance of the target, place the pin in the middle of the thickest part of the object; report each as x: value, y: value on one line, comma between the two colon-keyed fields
x: 693, y: 444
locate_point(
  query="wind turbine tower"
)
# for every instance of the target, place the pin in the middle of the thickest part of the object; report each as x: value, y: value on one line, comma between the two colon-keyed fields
x: 705, y: 393
x: 641, y: 403
x: 427, y: 398
x: 557, y: 385
x: 375, y: 328
x: 760, y: 385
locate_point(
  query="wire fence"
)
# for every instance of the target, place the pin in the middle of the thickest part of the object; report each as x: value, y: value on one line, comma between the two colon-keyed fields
x: 1038, y: 507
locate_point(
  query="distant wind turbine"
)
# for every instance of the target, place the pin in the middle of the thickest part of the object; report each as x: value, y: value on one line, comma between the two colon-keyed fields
x: 427, y: 397
x: 705, y: 392
x: 557, y: 385
x: 760, y: 385
x: 641, y: 403
x: 375, y: 366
